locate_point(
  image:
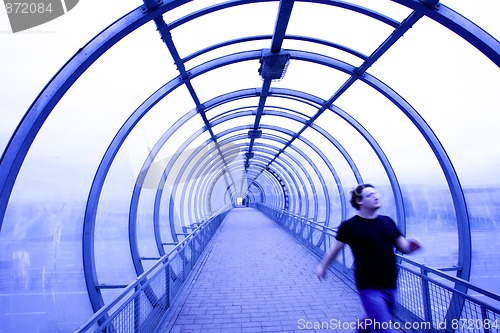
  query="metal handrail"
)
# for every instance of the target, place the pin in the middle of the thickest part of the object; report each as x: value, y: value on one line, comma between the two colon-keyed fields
x: 454, y: 279
x: 143, y: 285
x: 425, y: 301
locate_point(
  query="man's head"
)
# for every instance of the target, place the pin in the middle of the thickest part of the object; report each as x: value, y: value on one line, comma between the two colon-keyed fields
x: 365, y: 194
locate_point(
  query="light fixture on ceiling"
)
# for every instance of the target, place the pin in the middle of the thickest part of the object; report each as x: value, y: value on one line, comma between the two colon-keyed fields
x: 273, y: 65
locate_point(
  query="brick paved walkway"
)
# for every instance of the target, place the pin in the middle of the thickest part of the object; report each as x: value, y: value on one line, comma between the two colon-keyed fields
x: 256, y: 278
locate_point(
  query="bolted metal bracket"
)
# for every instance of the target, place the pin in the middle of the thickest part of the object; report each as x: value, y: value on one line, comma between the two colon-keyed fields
x: 254, y: 134
x: 273, y: 65
x: 150, y: 5
x: 430, y: 3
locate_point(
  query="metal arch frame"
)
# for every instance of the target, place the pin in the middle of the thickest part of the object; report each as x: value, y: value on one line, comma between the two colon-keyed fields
x: 311, y: 183
x: 273, y: 182
x: 250, y: 171
x: 321, y: 60
x: 275, y: 200
x: 259, y: 187
x: 284, y: 169
x: 194, y: 174
x: 24, y: 135
x: 338, y: 146
x: 190, y: 175
x: 330, y: 138
x: 136, y: 259
x: 368, y: 138
x: 310, y: 162
x: 204, y: 163
x: 285, y: 197
x: 357, y: 71
x: 489, y: 47
x: 381, y: 88
x: 474, y: 36
x: 165, y: 138
x: 325, y: 160
x: 332, y: 170
x: 152, y: 99
x: 302, y: 209
x: 237, y: 128
x: 168, y: 168
x: 214, y: 179
x: 287, y: 93
x: 223, y: 143
x: 264, y: 37
x: 458, y: 24
x: 336, y: 3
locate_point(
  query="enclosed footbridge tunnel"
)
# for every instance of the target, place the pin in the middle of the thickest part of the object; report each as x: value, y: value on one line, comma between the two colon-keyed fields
x: 181, y: 112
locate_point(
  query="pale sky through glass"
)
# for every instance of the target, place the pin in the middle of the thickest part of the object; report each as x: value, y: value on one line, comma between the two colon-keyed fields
x: 464, y: 125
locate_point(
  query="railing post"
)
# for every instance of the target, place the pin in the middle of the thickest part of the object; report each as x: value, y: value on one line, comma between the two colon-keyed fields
x: 485, y: 319
x: 426, y: 298
x: 137, y: 308
x: 167, y: 284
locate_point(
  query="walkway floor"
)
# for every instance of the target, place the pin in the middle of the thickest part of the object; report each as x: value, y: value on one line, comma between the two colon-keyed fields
x: 255, y: 277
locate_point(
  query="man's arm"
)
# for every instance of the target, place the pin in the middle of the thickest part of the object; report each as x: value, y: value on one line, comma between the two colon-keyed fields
x: 407, y: 245
x: 330, y: 256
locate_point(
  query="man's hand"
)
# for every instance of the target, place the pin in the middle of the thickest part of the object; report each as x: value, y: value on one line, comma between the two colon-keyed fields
x: 414, y: 244
x: 320, y: 272
x: 407, y: 246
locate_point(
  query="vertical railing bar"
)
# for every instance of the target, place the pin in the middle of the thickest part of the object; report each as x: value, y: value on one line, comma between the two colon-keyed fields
x: 167, y: 284
x: 137, y: 308
x: 485, y: 320
x: 426, y: 297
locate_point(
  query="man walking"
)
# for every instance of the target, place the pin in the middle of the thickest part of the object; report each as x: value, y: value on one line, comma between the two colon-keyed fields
x: 372, y: 239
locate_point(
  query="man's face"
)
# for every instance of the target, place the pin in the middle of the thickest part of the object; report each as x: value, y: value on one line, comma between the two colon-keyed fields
x: 370, y: 199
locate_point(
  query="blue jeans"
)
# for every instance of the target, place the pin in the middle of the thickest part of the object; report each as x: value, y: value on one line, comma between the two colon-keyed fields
x: 378, y: 304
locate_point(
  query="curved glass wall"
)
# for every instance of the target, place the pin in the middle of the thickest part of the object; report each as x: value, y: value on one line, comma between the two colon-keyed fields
x: 163, y: 117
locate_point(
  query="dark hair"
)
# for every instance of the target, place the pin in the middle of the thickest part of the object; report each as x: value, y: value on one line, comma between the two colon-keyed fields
x: 357, y: 193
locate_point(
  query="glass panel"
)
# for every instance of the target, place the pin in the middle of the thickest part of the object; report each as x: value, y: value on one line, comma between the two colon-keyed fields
x: 223, y: 80
x: 229, y: 124
x: 245, y: 104
x: 348, y: 28
x: 225, y: 25
x: 340, y: 167
x: 318, y: 194
x: 282, y: 122
x: 306, y: 76
x: 483, y: 13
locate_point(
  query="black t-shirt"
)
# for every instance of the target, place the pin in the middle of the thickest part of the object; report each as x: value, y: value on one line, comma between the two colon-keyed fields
x: 372, y: 242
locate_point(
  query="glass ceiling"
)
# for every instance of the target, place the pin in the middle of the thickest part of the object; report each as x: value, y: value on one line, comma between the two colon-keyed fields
x: 154, y: 116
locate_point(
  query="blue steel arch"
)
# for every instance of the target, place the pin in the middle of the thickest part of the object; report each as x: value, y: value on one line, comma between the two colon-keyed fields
x: 283, y: 141
x: 22, y: 139
x: 358, y: 127
x: 270, y: 150
x: 284, y: 171
x: 293, y: 95
x: 183, y: 195
x: 197, y: 192
x: 62, y: 81
x: 164, y: 138
x: 272, y: 181
x: 352, y: 122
